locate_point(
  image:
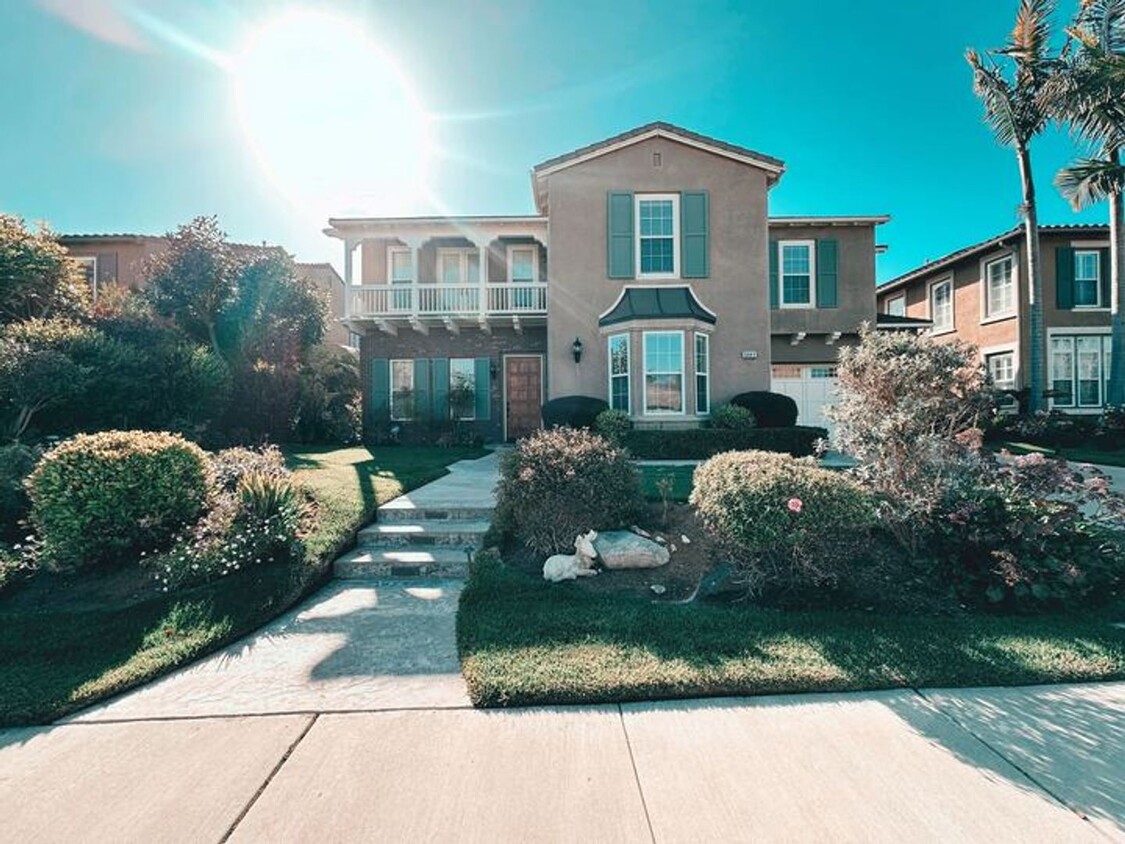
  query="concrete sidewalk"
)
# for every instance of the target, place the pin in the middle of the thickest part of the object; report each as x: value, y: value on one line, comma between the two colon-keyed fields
x: 992, y: 765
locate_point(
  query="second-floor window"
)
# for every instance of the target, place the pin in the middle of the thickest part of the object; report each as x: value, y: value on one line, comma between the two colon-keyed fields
x: 401, y: 266
x: 941, y: 305
x: 1000, y: 288
x: 521, y: 264
x: 796, y: 276
x: 658, y: 225
x: 458, y: 266
x: 1087, y: 278
x: 896, y: 305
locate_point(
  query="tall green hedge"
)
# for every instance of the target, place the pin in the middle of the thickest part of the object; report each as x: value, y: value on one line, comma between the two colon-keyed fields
x: 99, y: 497
x: 702, y: 443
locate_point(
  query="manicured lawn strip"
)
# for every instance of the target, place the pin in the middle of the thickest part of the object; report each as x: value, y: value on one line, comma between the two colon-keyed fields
x: 54, y: 663
x: 524, y: 642
x: 681, y: 481
x: 1073, y: 454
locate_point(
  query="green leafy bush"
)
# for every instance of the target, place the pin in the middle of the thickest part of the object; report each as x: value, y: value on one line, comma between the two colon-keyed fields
x: 329, y: 409
x: 1031, y: 534
x: 701, y: 443
x: 560, y: 482
x: 771, y: 410
x: 731, y: 417
x: 16, y: 462
x: 572, y: 411
x: 613, y: 425
x: 789, y: 524
x: 99, y: 497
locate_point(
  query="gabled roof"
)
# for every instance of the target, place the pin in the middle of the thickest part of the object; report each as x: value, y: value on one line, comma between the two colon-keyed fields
x: 656, y: 303
x: 1003, y: 239
x: 774, y: 167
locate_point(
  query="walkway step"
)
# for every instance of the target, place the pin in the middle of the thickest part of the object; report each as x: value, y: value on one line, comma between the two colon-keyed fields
x: 394, y: 534
x: 382, y: 563
x: 409, y: 512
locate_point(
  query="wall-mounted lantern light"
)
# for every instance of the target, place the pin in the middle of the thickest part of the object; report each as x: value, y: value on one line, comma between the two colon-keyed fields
x: 576, y: 347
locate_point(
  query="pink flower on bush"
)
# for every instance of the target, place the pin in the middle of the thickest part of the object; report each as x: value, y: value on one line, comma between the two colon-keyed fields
x: 795, y: 505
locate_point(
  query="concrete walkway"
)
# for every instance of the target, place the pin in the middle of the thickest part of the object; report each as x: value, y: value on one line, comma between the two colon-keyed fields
x: 1039, y: 764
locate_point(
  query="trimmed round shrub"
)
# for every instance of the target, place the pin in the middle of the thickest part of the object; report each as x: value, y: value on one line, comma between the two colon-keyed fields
x: 788, y: 524
x: 613, y: 425
x: 99, y: 497
x: 561, y: 482
x: 731, y: 417
x: 771, y: 410
x: 572, y: 411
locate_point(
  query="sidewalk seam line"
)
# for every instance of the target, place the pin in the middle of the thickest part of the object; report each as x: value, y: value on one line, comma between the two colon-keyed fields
x: 1073, y: 809
x: 218, y: 716
x: 636, y: 773
x: 269, y: 778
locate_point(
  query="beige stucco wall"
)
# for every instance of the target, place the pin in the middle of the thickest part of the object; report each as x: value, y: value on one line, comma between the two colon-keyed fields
x: 119, y: 259
x: 580, y: 290
x: 855, y: 281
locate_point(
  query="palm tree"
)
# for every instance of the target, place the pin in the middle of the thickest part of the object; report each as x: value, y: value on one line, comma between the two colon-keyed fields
x: 1013, y: 110
x: 1089, y: 93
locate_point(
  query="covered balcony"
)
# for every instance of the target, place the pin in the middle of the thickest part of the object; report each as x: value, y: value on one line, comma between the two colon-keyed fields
x: 453, y: 273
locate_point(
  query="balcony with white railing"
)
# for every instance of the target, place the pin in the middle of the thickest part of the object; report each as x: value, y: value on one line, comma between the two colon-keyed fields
x: 442, y: 301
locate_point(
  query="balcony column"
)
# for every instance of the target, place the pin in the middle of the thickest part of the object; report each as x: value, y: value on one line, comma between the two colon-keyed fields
x: 415, y: 247
x: 482, y: 278
x: 349, y: 249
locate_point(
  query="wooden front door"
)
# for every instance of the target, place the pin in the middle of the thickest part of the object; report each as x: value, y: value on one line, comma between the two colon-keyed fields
x: 523, y: 391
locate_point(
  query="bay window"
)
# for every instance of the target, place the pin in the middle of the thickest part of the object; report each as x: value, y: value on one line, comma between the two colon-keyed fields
x: 664, y: 372
x: 619, y: 372
x: 702, y: 374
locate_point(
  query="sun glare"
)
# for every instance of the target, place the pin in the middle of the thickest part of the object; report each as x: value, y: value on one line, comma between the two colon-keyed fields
x: 330, y: 116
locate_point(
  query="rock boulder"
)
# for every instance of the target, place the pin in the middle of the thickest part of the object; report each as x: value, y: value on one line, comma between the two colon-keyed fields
x: 623, y: 549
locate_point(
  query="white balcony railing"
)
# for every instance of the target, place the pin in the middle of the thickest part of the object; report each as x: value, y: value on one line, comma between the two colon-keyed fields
x: 441, y: 300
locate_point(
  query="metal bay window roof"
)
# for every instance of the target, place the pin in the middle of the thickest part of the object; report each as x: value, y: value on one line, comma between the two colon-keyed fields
x: 663, y: 302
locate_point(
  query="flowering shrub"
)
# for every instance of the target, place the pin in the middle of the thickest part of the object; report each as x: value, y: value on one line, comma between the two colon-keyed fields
x: 560, y: 482
x: 910, y: 410
x: 788, y: 523
x: 230, y: 465
x: 1031, y: 533
x: 99, y: 497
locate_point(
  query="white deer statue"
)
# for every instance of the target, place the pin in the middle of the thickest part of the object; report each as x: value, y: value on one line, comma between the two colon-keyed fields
x: 573, y: 566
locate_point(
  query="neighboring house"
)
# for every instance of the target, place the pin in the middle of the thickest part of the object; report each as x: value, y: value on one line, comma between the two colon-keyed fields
x: 979, y: 294
x: 120, y: 258
x: 651, y: 277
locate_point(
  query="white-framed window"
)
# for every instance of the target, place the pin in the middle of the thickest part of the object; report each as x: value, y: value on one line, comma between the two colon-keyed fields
x: 402, y: 390
x: 658, y: 227
x: 999, y: 288
x: 458, y: 266
x: 89, y: 266
x: 619, y: 390
x: 822, y: 372
x: 896, y: 305
x: 463, y: 389
x: 523, y: 264
x: 1001, y: 368
x: 400, y: 272
x: 1079, y: 370
x: 353, y: 340
x: 941, y: 305
x: 796, y: 262
x: 702, y: 374
x: 1087, y: 279
x: 664, y: 372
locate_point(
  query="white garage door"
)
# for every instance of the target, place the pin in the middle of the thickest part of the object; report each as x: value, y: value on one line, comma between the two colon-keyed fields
x: 812, y: 387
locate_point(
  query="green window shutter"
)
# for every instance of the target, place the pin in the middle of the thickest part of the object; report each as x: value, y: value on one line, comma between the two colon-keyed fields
x: 826, y: 284
x: 1064, y: 278
x: 1103, y: 276
x: 379, y: 399
x: 439, y: 367
x: 619, y: 235
x: 694, y: 221
x: 483, y: 388
x: 773, y: 274
x: 422, y: 390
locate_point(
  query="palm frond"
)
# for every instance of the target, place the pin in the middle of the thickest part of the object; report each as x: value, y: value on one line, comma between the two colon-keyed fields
x: 1001, y: 112
x: 1089, y: 181
x: 1030, y: 40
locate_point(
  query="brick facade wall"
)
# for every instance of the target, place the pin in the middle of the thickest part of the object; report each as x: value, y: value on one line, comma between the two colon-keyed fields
x: 439, y: 343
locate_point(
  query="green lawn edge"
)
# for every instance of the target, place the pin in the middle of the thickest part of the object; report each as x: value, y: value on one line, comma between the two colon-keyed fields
x: 53, y: 664
x: 526, y: 642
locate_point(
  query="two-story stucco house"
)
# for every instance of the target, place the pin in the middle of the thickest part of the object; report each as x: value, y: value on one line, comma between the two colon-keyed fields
x: 979, y: 294
x: 651, y: 277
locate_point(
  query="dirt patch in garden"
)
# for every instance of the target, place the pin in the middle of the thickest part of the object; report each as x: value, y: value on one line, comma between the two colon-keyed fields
x: 690, y: 562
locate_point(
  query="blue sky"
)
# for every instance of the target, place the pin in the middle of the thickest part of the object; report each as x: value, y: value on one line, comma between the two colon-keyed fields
x: 125, y: 115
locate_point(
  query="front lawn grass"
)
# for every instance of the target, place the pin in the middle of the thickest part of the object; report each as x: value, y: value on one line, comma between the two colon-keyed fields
x: 56, y: 659
x: 523, y: 641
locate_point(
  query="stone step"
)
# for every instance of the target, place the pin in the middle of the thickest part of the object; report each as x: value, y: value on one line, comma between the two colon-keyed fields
x: 396, y: 534
x: 440, y: 561
x: 393, y: 512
